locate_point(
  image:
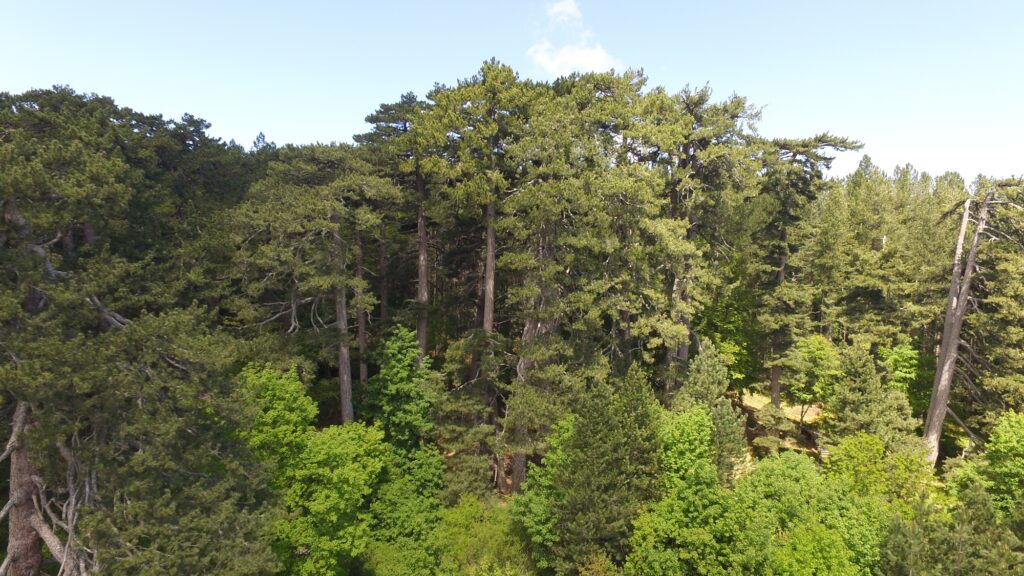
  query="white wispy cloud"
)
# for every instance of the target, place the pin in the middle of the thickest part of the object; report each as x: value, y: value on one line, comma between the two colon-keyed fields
x: 568, y: 45
x: 564, y: 11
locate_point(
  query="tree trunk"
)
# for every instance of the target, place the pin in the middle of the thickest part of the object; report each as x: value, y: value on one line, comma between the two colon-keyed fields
x: 777, y: 343
x: 382, y: 276
x: 486, y: 292
x: 518, y: 471
x: 686, y: 298
x: 423, y: 273
x: 24, y: 546
x: 489, y: 257
x: 344, y: 358
x: 474, y: 361
x: 776, y: 380
x: 533, y: 328
x: 361, y: 313
x: 956, y: 310
x: 681, y: 356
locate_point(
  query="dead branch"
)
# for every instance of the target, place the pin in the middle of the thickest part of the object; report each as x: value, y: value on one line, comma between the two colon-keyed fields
x: 20, y: 420
x: 975, y: 439
x: 51, y: 539
x: 7, y: 508
x: 109, y: 318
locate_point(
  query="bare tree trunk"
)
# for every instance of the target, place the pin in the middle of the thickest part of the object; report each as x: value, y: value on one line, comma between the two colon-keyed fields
x: 361, y: 313
x: 956, y: 310
x: 24, y: 546
x: 423, y: 274
x: 344, y: 358
x: 341, y: 324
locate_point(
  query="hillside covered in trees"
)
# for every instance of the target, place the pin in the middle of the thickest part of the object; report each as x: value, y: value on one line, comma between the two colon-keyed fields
x: 578, y: 327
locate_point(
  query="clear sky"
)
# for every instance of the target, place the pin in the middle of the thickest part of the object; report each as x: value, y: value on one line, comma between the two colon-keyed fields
x: 938, y: 84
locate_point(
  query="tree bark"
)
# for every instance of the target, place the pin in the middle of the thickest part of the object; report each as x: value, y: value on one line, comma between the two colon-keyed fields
x: 344, y: 358
x: 777, y: 343
x: 776, y: 381
x: 489, y: 258
x: 422, y: 271
x: 533, y: 329
x: 361, y: 313
x: 24, y: 546
x: 341, y: 324
x: 382, y: 276
x: 956, y: 310
x: 518, y: 471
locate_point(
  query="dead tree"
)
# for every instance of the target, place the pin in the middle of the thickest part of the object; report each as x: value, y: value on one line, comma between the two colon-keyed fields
x: 956, y: 310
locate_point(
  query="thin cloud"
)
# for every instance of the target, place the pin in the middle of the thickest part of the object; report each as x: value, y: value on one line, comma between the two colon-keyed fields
x: 569, y: 45
x: 564, y: 11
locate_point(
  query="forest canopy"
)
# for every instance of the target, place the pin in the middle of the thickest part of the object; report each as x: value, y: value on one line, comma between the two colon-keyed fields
x: 575, y: 327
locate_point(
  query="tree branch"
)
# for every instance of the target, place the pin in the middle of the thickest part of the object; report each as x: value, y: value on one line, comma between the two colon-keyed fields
x: 7, y: 508
x: 975, y: 439
x: 111, y: 319
x: 18, y: 425
x: 51, y: 539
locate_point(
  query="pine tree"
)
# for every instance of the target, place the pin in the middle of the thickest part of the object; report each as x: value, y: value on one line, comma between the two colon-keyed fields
x: 707, y: 382
x: 596, y: 478
x: 862, y: 403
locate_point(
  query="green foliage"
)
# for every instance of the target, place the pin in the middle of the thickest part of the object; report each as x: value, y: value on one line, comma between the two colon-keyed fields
x: 862, y: 462
x: 328, y: 478
x: 686, y: 444
x: 597, y: 475
x: 969, y: 539
x: 677, y: 535
x: 284, y: 416
x: 707, y: 383
x: 406, y: 510
x: 862, y: 403
x: 476, y: 538
x: 404, y: 391
x: 407, y: 502
x: 811, y: 370
x: 161, y: 438
x: 612, y: 469
x: 994, y: 333
x: 1004, y: 463
x: 811, y: 548
x: 901, y: 365
x: 786, y: 509
x: 329, y: 493
x: 783, y: 518
x: 535, y: 510
x: 625, y: 227
x: 683, y: 532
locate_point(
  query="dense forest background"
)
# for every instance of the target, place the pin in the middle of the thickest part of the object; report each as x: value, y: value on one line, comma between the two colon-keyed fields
x: 579, y: 327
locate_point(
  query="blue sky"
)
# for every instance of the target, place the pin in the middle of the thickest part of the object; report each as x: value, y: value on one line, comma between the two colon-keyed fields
x: 937, y: 84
